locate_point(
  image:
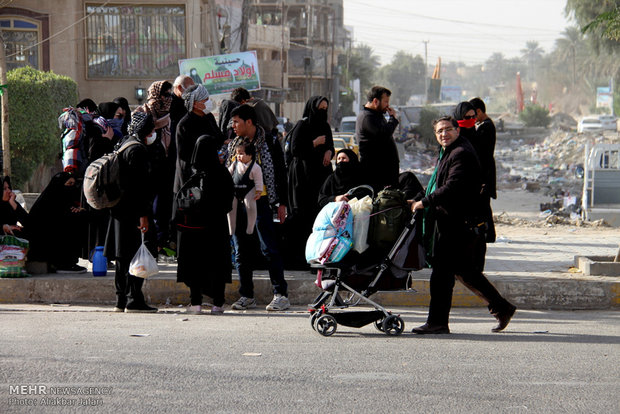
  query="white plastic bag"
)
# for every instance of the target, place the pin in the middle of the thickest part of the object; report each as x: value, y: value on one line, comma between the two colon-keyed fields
x: 143, y: 263
x: 361, y: 219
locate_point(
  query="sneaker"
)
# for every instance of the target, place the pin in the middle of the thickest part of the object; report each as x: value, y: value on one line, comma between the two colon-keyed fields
x: 144, y: 308
x: 194, y: 310
x: 71, y: 269
x: 279, y: 303
x: 118, y: 309
x: 244, y: 303
x: 217, y: 310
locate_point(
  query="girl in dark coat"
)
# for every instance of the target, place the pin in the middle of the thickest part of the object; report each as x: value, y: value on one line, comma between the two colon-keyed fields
x: 347, y: 175
x: 203, y: 243
x: 130, y: 215
x: 312, y: 147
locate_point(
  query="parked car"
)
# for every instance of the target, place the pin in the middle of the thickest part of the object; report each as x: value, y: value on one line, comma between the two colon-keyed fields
x: 589, y: 123
x: 347, y: 124
x: 608, y: 122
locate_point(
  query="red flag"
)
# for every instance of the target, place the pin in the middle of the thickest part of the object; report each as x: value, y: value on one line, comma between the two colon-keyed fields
x: 520, y: 103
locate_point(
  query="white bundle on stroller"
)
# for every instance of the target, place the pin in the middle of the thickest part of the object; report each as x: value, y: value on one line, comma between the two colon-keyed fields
x: 332, y: 234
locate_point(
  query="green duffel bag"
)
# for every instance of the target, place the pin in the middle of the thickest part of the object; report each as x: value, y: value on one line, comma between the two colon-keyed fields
x: 390, y: 214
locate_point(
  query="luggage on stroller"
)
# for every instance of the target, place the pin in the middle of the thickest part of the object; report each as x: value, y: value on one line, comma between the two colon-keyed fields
x: 361, y: 275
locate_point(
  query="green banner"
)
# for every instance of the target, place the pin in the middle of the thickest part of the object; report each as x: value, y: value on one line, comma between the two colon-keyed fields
x: 223, y: 73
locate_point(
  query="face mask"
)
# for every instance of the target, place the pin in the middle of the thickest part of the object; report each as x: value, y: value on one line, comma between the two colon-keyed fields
x: 321, y: 115
x: 151, y: 138
x: 467, y: 123
x: 343, y: 167
x: 208, y: 107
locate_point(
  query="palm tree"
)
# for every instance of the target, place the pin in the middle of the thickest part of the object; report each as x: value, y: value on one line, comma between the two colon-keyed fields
x: 532, y: 53
x: 567, y: 48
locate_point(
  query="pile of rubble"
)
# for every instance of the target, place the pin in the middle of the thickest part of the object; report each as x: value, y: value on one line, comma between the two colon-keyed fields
x: 550, y: 164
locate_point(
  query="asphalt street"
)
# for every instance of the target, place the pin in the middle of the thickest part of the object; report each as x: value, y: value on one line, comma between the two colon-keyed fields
x: 240, y: 362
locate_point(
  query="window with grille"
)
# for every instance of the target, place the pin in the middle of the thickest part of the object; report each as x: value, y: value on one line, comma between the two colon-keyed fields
x: 21, y: 42
x: 132, y: 41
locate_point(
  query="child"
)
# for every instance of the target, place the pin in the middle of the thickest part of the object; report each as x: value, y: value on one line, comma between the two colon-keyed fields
x: 248, y: 180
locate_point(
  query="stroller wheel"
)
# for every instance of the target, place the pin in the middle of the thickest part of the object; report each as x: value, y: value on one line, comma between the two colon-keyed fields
x: 326, y: 325
x: 379, y: 325
x: 393, y: 325
x: 313, y: 318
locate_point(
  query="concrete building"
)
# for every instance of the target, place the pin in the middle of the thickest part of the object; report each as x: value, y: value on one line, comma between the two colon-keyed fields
x: 119, y: 48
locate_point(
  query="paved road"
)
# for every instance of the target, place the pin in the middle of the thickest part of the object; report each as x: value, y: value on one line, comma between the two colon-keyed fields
x: 546, y: 361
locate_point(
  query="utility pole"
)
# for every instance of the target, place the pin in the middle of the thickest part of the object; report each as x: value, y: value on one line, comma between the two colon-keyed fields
x: 282, y: 61
x: 212, y: 22
x: 425, y: 71
x: 6, y: 151
x: 245, y: 17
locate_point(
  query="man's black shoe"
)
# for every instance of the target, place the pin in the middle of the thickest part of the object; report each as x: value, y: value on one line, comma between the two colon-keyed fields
x: 427, y: 329
x: 504, y: 319
x: 143, y: 308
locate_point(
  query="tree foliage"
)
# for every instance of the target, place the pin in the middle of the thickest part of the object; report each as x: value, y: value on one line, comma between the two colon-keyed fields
x: 36, y: 99
x: 404, y: 76
x: 599, y: 19
x: 363, y: 65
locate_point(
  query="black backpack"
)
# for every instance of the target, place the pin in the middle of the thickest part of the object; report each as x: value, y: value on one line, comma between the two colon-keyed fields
x: 390, y: 215
x: 288, y: 147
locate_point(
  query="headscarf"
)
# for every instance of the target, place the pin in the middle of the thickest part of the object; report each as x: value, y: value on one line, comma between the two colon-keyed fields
x: 141, y: 125
x: 159, y: 104
x: 159, y: 108
x: 205, y: 157
x: 459, y: 114
x: 107, y: 110
x: 124, y: 103
x: 347, y: 174
x: 311, y: 110
x: 194, y: 93
x: 87, y: 104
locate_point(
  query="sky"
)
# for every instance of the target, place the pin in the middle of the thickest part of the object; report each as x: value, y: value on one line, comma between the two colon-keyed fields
x: 468, y: 31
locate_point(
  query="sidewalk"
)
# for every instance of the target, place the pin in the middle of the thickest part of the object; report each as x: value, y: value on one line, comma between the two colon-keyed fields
x: 530, y: 266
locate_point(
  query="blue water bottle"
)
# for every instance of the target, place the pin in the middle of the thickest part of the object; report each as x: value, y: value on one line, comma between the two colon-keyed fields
x: 100, y: 263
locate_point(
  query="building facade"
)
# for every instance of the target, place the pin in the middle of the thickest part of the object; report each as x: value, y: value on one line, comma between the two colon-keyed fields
x: 117, y: 48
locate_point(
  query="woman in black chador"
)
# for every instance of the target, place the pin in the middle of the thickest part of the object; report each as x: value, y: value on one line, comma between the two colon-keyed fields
x: 203, y: 243
x: 347, y: 175
x: 312, y: 147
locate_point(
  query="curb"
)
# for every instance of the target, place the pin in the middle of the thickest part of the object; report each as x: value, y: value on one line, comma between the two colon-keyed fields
x: 525, y: 293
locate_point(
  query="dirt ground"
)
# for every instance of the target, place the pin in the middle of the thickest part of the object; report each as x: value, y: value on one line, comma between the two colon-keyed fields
x: 517, y: 213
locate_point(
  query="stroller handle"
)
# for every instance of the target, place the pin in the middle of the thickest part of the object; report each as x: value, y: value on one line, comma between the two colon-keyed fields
x: 361, y: 187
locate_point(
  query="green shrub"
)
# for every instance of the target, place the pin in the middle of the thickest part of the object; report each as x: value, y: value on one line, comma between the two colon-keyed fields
x: 535, y: 116
x: 427, y: 115
x: 36, y: 99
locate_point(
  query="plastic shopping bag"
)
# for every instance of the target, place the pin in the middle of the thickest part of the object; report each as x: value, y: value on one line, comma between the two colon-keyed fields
x: 143, y: 263
x: 13, y: 252
x: 331, y: 236
x: 361, y: 210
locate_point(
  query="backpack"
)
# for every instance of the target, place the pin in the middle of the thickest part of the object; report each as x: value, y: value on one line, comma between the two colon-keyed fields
x: 288, y: 147
x: 102, y: 182
x: 390, y: 215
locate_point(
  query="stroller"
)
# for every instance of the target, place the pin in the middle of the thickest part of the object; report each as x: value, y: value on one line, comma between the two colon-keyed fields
x: 358, y: 276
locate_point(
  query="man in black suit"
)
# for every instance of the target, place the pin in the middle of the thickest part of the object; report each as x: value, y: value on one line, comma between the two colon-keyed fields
x: 453, y: 227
